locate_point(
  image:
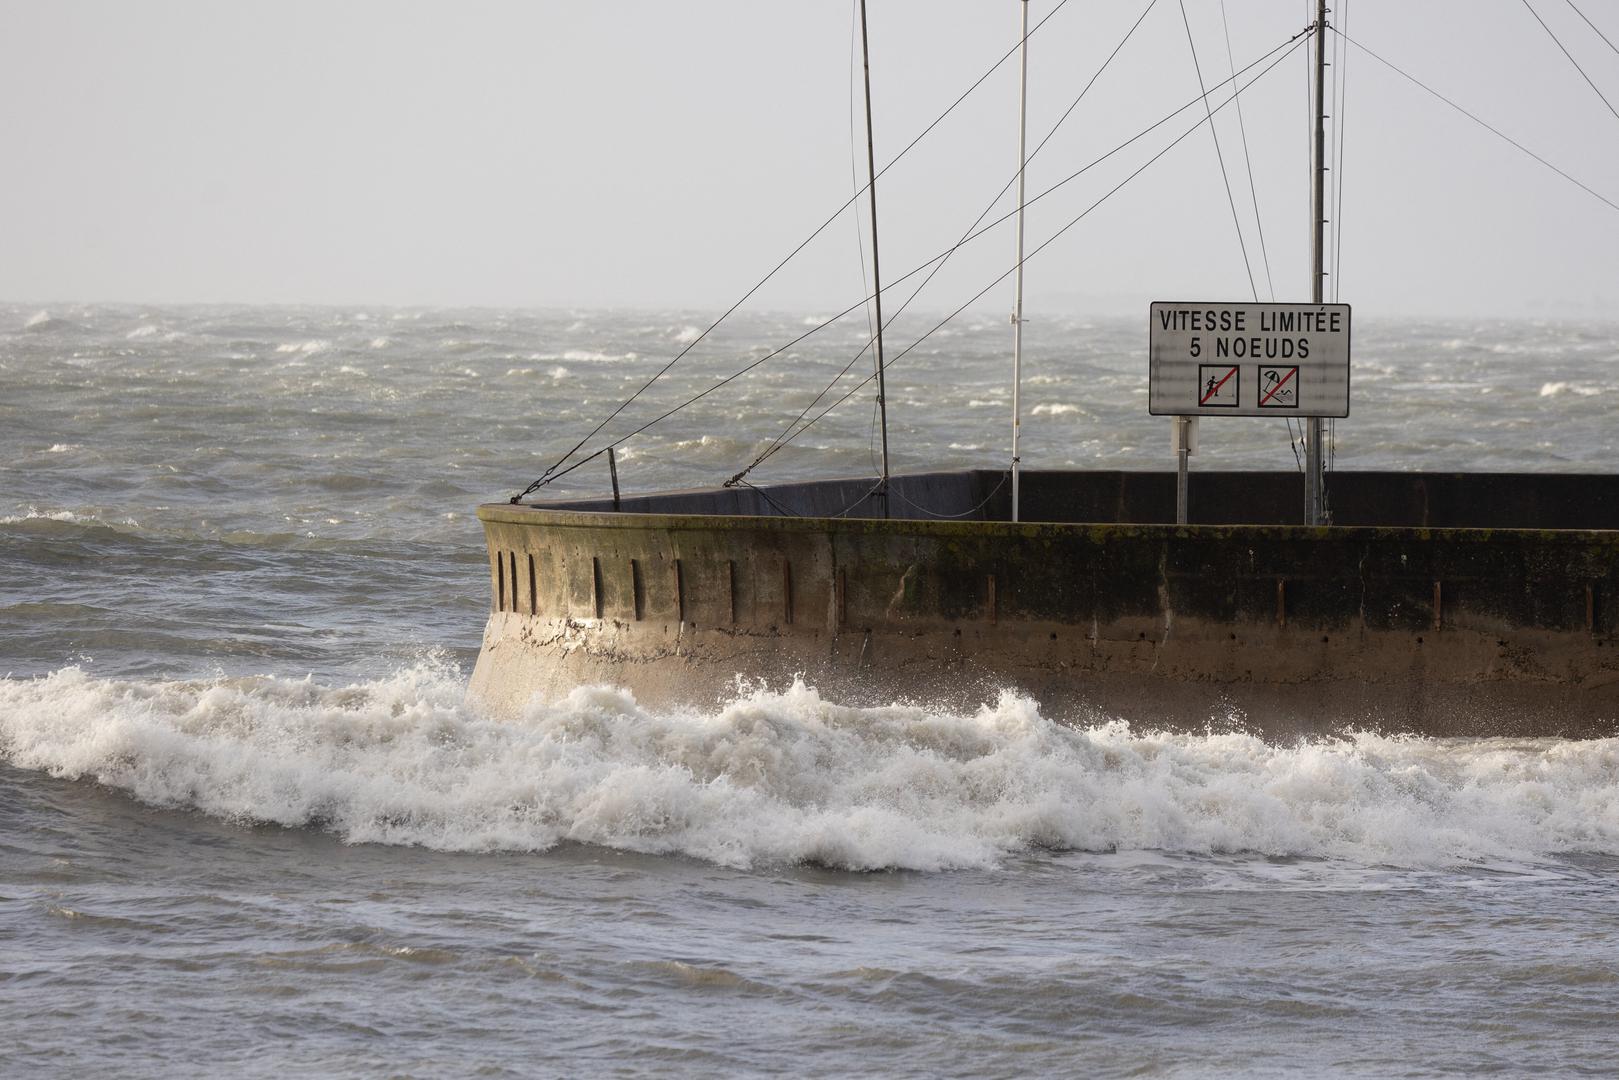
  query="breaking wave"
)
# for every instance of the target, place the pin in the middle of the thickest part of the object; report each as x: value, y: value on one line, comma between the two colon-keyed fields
x: 44, y: 321
x: 1554, y: 389
x: 304, y: 348
x: 779, y: 777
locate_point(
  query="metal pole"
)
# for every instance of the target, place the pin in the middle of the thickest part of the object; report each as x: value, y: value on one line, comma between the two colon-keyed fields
x: 1183, y: 454
x: 876, y: 273
x: 1314, y: 480
x: 1017, y: 310
x: 612, y: 470
x: 1181, y: 478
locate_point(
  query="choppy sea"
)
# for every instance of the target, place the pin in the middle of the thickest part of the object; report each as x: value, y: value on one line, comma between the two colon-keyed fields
x: 249, y: 827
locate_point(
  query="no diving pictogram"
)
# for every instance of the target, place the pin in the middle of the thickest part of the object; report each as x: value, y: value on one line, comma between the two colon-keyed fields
x: 1217, y: 386
x: 1278, y: 387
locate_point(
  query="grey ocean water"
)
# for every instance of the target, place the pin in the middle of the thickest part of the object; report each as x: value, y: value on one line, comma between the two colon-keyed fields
x: 248, y: 827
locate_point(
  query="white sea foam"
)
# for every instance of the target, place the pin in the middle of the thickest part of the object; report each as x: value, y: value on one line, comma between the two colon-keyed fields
x: 592, y: 356
x: 304, y: 347
x: 786, y: 776
x: 35, y: 514
x: 38, y: 319
x: 695, y: 444
x: 145, y: 331
x: 1060, y: 408
x: 1554, y: 389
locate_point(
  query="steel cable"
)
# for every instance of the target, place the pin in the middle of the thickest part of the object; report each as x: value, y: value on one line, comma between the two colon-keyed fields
x: 1225, y: 177
x: 552, y: 472
x: 1594, y: 27
x: 1571, y: 59
x: 940, y: 264
x: 1497, y: 132
x: 1247, y: 158
x: 1289, y: 46
x: 1285, y: 48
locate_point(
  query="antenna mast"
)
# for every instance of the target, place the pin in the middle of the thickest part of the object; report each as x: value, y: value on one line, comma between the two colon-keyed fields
x: 1314, y: 478
x: 1017, y: 310
x: 876, y: 274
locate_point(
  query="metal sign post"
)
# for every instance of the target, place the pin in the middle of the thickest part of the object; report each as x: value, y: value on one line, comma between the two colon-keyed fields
x: 1184, y: 442
x: 1218, y: 359
x: 1315, y: 474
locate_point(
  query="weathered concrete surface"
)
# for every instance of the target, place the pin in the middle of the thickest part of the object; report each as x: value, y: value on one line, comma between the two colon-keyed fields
x: 1443, y: 631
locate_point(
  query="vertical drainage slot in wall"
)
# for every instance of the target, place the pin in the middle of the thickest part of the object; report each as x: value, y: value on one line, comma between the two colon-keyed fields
x: 637, y: 590
x: 680, y: 592
x: 512, y: 559
x: 500, y: 583
x: 596, y: 584
x: 787, y: 592
x: 533, y: 588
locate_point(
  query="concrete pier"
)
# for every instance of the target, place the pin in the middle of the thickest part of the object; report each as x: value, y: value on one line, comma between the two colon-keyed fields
x: 1449, y: 617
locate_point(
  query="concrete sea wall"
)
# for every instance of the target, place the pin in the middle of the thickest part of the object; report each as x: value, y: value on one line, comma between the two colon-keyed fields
x: 1280, y: 628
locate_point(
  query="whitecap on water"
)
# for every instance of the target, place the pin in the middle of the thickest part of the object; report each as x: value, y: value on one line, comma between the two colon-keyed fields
x: 1554, y: 389
x: 41, y: 321
x: 35, y: 514
x: 786, y: 776
x: 306, y: 348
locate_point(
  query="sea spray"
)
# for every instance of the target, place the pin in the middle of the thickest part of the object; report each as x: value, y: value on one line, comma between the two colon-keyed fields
x: 784, y: 776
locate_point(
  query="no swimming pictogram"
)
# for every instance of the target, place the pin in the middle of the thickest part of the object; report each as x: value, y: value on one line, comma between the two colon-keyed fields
x: 1217, y: 386
x: 1278, y: 387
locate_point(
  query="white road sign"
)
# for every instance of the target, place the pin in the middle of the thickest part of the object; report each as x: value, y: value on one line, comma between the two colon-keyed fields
x: 1216, y: 359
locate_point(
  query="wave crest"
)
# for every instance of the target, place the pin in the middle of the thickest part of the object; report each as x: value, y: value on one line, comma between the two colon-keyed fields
x: 776, y: 777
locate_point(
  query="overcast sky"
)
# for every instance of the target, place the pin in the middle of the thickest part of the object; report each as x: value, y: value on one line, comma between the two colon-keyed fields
x: 659, y: 153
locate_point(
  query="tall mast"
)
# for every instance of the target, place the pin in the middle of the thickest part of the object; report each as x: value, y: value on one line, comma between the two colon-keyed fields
x: 876, y: 273
x: 1314, y: 478
x: 1017, y: 309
